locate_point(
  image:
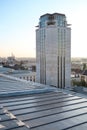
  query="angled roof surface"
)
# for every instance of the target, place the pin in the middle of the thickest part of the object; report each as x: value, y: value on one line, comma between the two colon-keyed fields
x: 51, y: 110
x: 8, y: 121
x: 84, y: 72
x: 10, y: 86
x: 45, y: 110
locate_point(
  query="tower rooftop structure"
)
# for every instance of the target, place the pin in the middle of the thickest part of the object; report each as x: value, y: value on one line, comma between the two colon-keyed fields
x: 57, y: 19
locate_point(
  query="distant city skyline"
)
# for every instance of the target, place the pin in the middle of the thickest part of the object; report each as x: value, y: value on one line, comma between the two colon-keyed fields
x: 18, y: 19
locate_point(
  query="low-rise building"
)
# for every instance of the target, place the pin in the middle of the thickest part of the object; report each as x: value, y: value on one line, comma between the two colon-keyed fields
x: 21, y: 74
x: 83, y: 76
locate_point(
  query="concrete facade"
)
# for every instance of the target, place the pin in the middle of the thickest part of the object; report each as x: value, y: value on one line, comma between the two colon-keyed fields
x: 53, y: 51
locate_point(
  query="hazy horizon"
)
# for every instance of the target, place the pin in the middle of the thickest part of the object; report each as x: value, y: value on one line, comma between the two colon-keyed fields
x: 35, y: 57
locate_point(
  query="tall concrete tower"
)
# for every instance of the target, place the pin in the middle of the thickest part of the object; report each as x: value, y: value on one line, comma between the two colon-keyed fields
x: 53, y: 50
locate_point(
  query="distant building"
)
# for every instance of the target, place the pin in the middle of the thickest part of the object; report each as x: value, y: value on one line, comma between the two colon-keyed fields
x: 53, y: 50
x: 21, y: 74
x: 11, y: 60
x: 24, y: 74
x: 83, y: 76
x: 77, y: 66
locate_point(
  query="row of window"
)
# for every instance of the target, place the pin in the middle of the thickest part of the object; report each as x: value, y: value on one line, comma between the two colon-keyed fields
x: 28, y: 78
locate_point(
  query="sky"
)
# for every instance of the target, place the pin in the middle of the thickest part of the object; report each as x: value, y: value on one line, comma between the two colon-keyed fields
x: 18, y: 19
